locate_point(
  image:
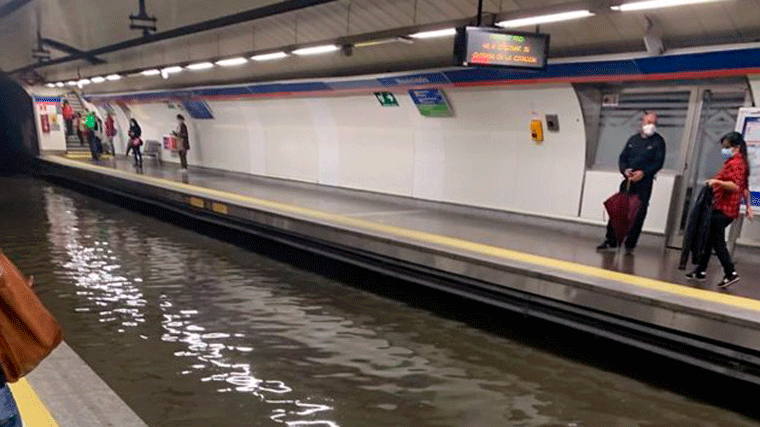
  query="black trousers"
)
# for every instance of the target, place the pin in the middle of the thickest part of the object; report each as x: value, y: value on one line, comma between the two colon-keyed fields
x: 137, y: 154
x: 643, y: 189
x: 717, y: 242
x: 94, y: 152
x: 69, y: 127
x: 183, y: 158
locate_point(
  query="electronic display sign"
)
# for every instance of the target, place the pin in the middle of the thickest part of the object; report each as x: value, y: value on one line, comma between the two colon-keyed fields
x: 496, y: 47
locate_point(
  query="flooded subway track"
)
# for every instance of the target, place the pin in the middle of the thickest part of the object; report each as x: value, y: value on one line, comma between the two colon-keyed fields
x: 192, y: 330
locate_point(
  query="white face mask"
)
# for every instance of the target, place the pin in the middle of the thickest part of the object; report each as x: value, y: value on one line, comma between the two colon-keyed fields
x: 648, y: 129
x: 727, y: 153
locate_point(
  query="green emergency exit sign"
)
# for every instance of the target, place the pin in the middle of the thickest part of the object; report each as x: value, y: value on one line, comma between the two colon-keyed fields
x: 386, y: 99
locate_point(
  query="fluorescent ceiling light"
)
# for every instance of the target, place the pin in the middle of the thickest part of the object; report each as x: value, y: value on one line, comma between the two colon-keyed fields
x: 231, y: 62
x: 71, y: 83
x: 98, y: 79
x: 316, y: 50
x: 172, y: 70
x: 84, y: 82
x: 153, y: 72
x: 269, y: 56
x: 50, y: 85
x: 60, y: 84
x: 433, y: 34
x: 113, y: 77
x: 384, y: 41
x: 200, y: 66
x: 655, y: 4
x: 545, y: 19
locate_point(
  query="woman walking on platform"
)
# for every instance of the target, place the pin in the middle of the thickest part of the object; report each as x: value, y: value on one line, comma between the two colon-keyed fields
x: 728, y: 186
x: 135, y: 132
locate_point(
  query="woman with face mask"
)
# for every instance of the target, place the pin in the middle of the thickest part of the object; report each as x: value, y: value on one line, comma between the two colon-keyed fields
x: 729, y: 187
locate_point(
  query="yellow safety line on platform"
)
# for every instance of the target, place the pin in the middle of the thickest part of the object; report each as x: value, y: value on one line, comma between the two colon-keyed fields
x: 452, y: 242
x: 33, y: 411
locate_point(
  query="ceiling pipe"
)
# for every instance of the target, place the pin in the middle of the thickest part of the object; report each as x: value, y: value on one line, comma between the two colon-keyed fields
x: 11, y: 7
x: 211, y: 24
x: 63, y: 47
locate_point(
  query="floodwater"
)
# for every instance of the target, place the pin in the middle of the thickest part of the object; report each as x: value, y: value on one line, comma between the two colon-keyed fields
x: 194, y: 331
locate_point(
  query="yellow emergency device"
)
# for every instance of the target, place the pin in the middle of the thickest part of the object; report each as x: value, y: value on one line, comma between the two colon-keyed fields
x: 537, y: 130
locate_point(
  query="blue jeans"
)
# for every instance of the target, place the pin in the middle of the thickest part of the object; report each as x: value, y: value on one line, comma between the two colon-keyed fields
x: 9, y: 416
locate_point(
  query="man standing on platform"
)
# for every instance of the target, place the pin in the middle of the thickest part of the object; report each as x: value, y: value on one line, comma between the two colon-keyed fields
x: 183, y: 142
x: 641, y: 159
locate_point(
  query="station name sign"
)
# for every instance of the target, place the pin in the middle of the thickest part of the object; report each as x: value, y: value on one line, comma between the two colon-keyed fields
x: 495, y: 47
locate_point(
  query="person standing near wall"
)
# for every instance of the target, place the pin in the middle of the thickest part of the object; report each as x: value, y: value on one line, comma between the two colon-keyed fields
x: 641, y: 159
x: 110, y: 133
x: 729, y: 187
x: 79, y: 125
x: 91, y: 127
x: 68, y: 117
x: 135, y: 141
x: 183, y: 141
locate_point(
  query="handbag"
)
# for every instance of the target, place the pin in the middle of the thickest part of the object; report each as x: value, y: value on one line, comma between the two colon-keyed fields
x: 28, y: 332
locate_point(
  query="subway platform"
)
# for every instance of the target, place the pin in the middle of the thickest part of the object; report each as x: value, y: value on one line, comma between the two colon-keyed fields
x: 544, y: 268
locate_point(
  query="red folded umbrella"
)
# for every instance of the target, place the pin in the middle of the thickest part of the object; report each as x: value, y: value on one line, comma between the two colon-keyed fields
x: 622, y: 208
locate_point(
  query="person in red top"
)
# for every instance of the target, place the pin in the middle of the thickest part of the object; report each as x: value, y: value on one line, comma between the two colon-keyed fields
x: 110, y: 132
x: 729, y: 187
x: 68, y: 117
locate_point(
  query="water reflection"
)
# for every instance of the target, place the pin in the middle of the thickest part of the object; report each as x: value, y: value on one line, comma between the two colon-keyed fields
x: 118, y: 298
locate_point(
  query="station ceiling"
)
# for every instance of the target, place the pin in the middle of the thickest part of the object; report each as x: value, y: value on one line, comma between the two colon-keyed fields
x: 86, y: 25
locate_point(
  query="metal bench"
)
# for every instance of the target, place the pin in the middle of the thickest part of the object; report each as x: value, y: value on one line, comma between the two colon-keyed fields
x: 153, y: 149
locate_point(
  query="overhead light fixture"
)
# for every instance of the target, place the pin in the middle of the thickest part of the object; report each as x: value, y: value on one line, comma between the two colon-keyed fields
x: 656, y: 4
x: 200, y: 66
x: 399, y: 39
x: 50, y: 85
x: 113, y: 77
x: 83, y: 82
x: 545, y: 19
x: 316, y: 50
x: 269, y: 56
x: 172, y: 70
x: 60, y: 84
x: 98, y: 79
x: 71, y: 83
x: 165, y: 72
x: 232, y: 62
x: 151, y: 72
x: 434, y: 34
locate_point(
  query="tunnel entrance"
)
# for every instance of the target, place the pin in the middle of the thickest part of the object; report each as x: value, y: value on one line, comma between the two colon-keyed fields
x: 18, y: 137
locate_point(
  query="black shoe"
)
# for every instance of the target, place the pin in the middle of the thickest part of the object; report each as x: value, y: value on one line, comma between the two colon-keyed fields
x: 696, y: 275
x: 629, y: 251
x: 606, y: 246
x: 729, y: 280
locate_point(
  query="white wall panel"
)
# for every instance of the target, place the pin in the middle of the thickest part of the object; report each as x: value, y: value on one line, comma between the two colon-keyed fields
x: 376, y: 145
x: 492, y: 161
x: 429, y: 157
x: 292, y: 152
x: 483, y: 156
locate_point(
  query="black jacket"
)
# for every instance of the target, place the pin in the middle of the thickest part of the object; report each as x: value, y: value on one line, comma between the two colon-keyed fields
x: 697, y: 231
x: 644, y: 154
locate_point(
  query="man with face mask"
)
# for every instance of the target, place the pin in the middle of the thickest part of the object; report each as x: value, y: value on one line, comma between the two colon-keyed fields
x: 641, y: 159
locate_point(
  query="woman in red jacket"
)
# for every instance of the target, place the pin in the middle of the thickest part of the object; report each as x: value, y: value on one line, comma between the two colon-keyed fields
x: 728, y: 186
x: 68, y: 117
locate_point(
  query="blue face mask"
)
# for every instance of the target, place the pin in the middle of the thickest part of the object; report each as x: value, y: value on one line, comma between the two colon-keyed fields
x: 727, y: 153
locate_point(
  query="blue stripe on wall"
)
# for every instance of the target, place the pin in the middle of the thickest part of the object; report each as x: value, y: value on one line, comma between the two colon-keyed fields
x: 698, y: 62
x: 47, y: 99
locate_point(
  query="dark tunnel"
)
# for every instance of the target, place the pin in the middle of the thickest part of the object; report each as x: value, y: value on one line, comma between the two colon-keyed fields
x: 18, y: 138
